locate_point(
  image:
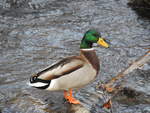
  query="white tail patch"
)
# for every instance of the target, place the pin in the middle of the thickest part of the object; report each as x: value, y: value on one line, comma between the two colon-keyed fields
x: 37, y: 84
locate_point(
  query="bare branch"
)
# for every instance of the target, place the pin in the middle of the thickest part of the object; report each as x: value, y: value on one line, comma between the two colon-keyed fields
x: 138, y: 64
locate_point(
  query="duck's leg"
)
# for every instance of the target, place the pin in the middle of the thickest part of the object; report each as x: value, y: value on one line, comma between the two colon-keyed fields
x: 68, y: 96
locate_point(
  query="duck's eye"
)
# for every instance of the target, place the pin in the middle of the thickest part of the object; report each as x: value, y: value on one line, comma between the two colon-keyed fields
x: 96, y: 35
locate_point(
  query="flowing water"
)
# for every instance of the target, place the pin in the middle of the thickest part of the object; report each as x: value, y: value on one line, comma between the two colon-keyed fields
x: 36, y: 33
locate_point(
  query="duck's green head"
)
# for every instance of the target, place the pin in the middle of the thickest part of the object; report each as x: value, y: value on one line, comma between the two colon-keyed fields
x: 90, y: 37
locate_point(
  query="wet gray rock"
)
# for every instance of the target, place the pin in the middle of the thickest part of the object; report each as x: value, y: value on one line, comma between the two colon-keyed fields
x: 136, y: 91
x: 77, y: 109
x: 146, y: 110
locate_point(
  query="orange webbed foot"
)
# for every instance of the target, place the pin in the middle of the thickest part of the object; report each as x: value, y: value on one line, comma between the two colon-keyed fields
x: 68, y: 96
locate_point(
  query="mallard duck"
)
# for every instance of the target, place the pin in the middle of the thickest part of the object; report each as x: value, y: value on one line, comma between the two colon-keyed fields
x: 72, y: 72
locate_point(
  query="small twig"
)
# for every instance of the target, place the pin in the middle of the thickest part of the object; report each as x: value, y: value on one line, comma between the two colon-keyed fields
x: 132, y: 46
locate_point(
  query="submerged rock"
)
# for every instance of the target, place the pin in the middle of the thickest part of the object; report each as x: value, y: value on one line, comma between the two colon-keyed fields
x: 136, y: 91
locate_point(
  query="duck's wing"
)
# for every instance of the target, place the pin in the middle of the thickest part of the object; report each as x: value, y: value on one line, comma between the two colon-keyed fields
x: 61, y: 68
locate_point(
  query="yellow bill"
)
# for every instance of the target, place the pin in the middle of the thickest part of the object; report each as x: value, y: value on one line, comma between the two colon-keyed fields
x: 102, y: 43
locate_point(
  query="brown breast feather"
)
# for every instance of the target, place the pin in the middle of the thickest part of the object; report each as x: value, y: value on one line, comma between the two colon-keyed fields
x: 90, y: 55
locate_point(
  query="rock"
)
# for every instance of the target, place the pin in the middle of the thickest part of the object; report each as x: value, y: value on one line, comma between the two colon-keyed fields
x: 77, y: 109
x: 146, y: 110
x: 142, y: 7
x: 140, y: 2
x: 136, y: 88
x: 136, y: 92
